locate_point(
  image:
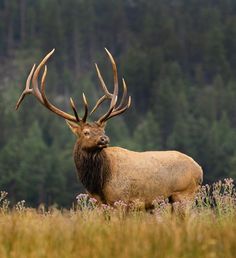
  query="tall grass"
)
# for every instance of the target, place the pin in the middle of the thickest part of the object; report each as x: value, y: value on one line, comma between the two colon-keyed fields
x: 207, y: 229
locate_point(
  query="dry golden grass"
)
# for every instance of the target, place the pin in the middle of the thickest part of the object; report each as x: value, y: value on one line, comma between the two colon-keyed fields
x: 91, y: 231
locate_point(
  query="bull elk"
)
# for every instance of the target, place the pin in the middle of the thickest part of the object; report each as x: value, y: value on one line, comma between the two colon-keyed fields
x: 110, y: 174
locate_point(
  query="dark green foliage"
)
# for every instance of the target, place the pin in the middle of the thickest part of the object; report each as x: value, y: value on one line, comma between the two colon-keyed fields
x: 178, y: 59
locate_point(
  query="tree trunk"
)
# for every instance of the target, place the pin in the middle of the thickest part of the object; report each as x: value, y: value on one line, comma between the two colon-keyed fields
x: 22, y: 21
x: 9, y: 27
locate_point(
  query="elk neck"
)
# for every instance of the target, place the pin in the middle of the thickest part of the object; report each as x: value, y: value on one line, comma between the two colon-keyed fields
x: 93, y: 169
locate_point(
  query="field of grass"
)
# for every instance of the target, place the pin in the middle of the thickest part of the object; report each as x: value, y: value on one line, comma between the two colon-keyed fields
x: 207, y: 229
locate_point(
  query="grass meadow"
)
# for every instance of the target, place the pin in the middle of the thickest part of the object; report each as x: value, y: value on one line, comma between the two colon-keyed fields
x: 205, y: 229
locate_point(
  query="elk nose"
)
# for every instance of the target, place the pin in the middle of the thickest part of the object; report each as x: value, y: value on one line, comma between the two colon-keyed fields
x: 104, y: 139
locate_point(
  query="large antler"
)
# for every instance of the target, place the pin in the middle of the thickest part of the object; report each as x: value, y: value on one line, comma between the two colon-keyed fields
x: 113, y: 109
x: 42, y: 98
x: 41, y: 95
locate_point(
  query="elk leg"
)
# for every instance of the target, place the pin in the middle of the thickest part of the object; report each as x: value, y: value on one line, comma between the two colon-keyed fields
x: 181, y: 202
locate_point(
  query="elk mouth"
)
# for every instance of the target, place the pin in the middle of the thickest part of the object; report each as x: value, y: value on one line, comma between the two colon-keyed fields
x: 101, y: 146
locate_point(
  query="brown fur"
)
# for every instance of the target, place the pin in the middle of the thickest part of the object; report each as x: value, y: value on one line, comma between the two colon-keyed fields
x: 112, y: 173
x: 93, y: 170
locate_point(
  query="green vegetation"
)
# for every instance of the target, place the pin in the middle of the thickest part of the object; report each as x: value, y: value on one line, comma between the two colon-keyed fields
x: 179, y: 61
x: 89, y: 230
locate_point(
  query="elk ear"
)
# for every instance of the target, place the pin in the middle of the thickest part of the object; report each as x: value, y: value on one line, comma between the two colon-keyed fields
x: 75, y: 128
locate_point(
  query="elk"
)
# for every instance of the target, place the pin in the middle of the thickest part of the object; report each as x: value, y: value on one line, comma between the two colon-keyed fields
x: 108, y: 173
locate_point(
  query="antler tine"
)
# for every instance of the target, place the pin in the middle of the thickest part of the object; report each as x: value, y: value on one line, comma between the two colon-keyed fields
x: 74, y: 109
x: 123, y: 96
x: 50, y: 106
x: 99, y: 102
x: 115, y: 92
x: 120, y: 111
x: 27, y: 89
x: 35, y: 86
x: 107, y: 95
x: 105, y: 117
x: 85, y: 108
x: 121, y: 108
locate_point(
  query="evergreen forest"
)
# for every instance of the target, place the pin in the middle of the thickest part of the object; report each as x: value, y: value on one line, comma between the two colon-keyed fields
x: 178, y: 58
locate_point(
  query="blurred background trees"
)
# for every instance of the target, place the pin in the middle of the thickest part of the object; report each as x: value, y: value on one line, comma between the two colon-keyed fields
x: 179, y: 61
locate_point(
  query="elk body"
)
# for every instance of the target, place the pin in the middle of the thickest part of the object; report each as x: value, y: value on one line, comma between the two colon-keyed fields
x: 111, y: 173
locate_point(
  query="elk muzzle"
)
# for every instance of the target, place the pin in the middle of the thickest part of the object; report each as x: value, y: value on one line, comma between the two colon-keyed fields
x: 103, y: 141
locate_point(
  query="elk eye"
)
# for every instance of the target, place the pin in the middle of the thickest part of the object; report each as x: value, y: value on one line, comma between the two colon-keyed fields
x: 86, y: 133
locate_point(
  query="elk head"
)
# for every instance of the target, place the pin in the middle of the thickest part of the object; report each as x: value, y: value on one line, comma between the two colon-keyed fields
x: 91, y: 136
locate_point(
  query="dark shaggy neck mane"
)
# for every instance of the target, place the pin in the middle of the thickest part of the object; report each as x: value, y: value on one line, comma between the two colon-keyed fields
x: 93, y: 169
